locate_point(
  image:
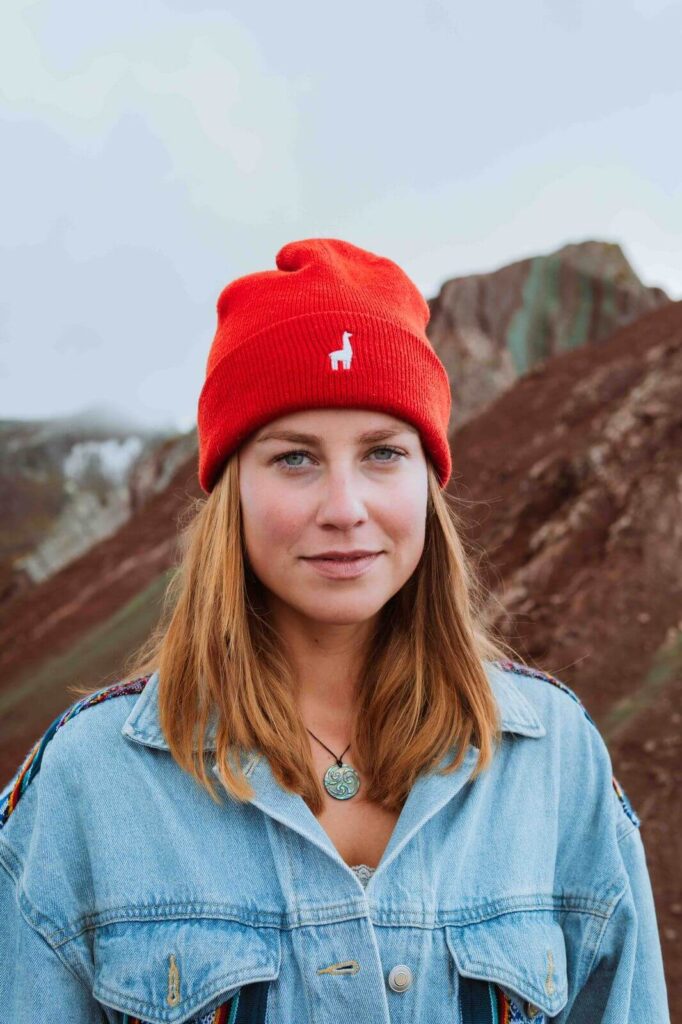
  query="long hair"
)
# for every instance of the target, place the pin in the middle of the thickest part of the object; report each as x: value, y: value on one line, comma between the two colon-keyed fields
x: 423, y: 690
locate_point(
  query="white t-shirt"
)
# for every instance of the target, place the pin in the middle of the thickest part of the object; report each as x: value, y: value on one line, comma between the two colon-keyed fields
x: 363, y: 872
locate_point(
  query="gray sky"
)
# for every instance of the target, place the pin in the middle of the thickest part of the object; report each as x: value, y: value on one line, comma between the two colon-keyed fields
x: 153, y: 152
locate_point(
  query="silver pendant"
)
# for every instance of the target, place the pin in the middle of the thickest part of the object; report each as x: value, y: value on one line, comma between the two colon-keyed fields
x: 342, y: 782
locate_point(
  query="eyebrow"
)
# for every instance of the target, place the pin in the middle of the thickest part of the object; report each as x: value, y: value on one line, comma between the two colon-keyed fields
x: 365, y: 438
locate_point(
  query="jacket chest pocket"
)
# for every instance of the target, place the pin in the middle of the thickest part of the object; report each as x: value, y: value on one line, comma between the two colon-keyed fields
x: 512, y: 968
x: 186, y: 971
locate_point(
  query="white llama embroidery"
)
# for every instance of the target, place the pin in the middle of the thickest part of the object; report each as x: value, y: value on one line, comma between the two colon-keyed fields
x: 344, y: 354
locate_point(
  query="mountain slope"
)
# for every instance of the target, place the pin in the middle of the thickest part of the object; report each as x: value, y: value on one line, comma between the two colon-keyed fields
x: 491, y: 328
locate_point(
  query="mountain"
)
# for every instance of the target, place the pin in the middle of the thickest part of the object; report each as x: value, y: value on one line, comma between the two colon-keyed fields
x: 569, y: 485
x: 489, y: 329
x: 67, y: 482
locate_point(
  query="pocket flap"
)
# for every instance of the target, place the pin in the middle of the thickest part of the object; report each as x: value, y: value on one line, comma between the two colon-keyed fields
x: 166, y: 971
x: 523, y: 952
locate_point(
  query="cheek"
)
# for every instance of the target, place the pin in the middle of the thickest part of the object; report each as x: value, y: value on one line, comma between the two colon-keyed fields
x: 415, y: 532
x: 406, y: 511
x: 405, y: 526
x: 271, y: 520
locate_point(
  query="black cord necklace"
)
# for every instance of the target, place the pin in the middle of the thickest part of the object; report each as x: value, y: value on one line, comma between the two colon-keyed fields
x: 340, y: 780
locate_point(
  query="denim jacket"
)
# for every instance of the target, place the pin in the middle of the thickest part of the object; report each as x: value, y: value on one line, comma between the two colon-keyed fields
x: 128, y: 894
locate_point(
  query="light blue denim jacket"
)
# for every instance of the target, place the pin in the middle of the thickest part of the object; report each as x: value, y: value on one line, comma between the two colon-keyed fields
x: 129, y: 894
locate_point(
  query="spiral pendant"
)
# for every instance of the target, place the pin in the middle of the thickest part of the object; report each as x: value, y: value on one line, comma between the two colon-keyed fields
x: 341, y: 781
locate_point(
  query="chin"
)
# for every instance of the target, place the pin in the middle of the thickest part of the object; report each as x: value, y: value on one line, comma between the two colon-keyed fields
x: 347, y: 612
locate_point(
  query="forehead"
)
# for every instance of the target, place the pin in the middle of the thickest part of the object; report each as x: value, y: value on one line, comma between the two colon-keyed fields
x: 333, y: 421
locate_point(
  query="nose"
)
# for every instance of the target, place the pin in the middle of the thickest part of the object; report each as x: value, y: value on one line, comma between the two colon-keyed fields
x: 342, y: 500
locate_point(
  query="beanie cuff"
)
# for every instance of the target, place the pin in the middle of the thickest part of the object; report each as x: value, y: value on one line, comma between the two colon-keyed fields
x: 289, y: 367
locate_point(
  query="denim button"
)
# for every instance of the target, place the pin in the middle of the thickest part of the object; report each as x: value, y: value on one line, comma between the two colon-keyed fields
x: 400, y: 978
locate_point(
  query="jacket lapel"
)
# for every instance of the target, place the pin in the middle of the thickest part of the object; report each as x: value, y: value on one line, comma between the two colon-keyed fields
x: 428, y: 795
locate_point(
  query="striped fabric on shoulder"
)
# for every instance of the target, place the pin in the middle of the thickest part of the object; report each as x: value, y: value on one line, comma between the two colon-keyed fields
x: 30, y: 766
x: 536, y: 673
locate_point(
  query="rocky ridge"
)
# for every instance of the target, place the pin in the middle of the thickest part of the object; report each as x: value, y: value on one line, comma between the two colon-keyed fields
x: 489, y: 329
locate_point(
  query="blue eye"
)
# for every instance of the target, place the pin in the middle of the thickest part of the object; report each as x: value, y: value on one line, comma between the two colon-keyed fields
x: 384, y: 448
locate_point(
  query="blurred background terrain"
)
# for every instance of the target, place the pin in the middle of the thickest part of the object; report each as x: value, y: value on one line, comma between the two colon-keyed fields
x: 519, y: 161
x: 566, y: 435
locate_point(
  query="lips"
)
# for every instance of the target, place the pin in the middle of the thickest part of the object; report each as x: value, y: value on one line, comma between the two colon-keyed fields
x: 341, y: 558
x: 343, y: 567
x: 356, y: 553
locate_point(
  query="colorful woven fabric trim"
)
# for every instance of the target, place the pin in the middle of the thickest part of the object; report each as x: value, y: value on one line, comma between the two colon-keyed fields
x: 31, y: 764
x: 247, y: 1006
x: 536, y: 673
x: 484, y: 1002
x: 224, y: 1014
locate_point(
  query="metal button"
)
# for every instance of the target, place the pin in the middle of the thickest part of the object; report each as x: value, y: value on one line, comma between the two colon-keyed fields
x: 400, y: 978
x: 532, y: 1010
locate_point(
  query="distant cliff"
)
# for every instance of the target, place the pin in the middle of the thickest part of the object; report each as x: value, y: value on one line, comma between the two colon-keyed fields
x: 489, y: 329
x: 66, y: 483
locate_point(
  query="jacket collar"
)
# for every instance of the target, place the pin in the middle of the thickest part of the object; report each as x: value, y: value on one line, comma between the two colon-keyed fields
x: 517, y: 715
x: 430, y: 792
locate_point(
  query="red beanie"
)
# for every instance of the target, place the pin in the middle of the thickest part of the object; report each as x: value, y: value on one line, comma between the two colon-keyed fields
x: 333, y: 326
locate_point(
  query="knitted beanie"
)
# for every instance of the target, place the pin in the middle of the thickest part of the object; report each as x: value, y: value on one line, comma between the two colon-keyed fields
x: 333, y: 326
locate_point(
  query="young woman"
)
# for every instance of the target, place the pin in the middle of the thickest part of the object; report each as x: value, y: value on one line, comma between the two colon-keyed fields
x: 327, y: 794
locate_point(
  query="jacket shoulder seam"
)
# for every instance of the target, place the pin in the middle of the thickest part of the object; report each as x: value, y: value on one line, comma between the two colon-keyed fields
x: 30, y: 766
x: 535, y: 673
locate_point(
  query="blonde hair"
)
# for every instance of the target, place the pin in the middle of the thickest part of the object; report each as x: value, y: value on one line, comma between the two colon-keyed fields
x: 423, y: 690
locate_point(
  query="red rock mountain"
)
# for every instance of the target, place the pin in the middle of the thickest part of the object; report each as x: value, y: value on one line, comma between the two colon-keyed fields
x: 489, y: 329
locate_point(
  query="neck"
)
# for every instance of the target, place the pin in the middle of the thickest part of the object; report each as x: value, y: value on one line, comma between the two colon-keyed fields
x: 327, y: 659
x: 327, y: 675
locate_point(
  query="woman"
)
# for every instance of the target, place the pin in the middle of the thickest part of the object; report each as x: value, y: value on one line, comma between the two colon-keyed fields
x: 328, y: 794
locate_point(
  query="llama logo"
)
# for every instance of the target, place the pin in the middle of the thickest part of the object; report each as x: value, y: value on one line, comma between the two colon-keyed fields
x: 343, y: 354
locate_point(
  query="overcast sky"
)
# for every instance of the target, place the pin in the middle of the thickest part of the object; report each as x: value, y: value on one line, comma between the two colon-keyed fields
x: 151, y: 152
